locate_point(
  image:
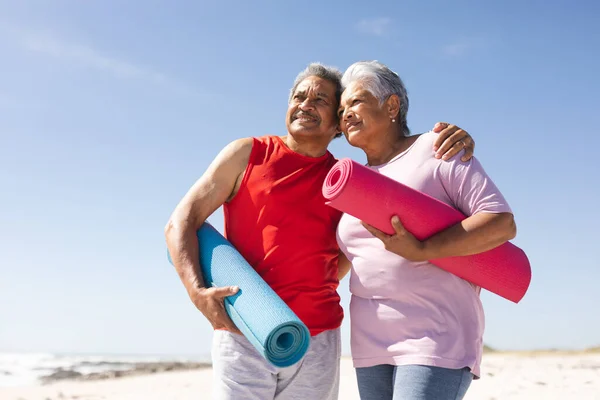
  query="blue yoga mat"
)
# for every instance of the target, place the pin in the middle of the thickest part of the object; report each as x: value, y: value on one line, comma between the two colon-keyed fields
x: 257, y: 311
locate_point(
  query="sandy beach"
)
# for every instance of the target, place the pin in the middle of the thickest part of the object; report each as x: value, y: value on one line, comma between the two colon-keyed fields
x: 505, y: 376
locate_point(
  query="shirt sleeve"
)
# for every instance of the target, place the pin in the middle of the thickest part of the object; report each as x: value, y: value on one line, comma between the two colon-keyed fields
x: 470, y: 187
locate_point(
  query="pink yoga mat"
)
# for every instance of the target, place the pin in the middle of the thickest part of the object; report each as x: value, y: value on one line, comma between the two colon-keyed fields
x: 374, y: 198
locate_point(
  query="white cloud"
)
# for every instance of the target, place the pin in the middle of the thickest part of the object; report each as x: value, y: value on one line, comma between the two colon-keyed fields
x: 462, y: 47
x: 87, y: 56
x: 374, y: 26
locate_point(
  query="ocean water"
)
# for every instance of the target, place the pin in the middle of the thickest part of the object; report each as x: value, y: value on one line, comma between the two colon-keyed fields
x: 23, y: 369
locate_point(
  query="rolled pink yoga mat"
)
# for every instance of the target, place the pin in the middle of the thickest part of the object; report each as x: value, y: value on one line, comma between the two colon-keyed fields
x: 374, y: 198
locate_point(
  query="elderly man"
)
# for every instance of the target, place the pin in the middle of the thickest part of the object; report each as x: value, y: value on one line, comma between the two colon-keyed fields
x: 276, y: 217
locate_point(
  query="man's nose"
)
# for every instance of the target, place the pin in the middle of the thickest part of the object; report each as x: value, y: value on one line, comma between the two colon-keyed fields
x: 307, y: 104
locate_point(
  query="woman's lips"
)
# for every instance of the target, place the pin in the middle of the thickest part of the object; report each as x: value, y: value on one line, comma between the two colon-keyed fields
x: 351, y: 125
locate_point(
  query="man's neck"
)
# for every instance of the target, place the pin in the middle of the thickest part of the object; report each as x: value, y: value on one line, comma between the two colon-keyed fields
x: 309, y: 148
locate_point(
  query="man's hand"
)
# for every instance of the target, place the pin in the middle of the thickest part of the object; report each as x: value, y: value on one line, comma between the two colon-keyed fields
x: 210, y: 303
x: 451, y: 140
x: 402, y: 242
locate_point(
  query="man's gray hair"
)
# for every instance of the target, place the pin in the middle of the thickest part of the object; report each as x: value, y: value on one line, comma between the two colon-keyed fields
x: 382, y: 82
x: 319, y: 70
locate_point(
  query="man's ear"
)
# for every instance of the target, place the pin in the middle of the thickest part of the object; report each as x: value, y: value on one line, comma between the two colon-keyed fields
x: 338, y: 127
x: 393, y: 106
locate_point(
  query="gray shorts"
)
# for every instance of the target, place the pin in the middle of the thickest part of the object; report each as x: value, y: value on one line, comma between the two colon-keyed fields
x: 241, y: 373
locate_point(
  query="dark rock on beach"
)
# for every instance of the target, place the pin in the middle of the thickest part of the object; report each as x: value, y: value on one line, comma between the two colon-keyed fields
x: 61, y: 374
x: 135, y: 369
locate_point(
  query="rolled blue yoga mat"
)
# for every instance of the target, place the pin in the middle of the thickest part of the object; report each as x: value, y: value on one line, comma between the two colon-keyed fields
x: 257, y: 311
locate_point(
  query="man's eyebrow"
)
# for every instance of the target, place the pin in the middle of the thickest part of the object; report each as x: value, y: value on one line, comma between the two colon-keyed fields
x: 301, y: 92
x: 323, y: 94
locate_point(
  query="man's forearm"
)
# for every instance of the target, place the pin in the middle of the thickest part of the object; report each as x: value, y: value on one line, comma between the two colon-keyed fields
x: 182, y: 243
x: 207, y: 194
x: 478, y: 233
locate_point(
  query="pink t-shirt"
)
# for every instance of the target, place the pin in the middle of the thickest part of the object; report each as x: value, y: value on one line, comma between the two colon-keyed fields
x: 404, y: 312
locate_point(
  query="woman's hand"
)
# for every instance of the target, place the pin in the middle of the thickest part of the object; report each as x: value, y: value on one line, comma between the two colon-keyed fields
x: 475, y: 234
x: 402, y: 242
x: 451, y: 140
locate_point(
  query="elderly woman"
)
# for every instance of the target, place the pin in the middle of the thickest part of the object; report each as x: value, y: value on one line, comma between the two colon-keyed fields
x: 416, y: 330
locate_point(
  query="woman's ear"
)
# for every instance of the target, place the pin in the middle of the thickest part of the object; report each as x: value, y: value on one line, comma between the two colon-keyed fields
x: 392, y: 105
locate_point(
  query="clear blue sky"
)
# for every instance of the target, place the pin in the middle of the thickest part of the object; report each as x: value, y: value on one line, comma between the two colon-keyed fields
x: 110, y: 110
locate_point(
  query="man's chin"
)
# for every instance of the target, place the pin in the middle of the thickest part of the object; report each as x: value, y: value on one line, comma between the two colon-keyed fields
x: 304, y: 130
x: 298, y: 124
x: 309, y: 134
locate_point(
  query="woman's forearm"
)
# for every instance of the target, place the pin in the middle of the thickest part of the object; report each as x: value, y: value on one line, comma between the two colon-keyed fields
x: 344, y: 265
x: 476, y: 234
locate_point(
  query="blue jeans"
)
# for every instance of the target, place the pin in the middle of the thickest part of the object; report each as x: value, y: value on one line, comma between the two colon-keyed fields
x: 412, y: 382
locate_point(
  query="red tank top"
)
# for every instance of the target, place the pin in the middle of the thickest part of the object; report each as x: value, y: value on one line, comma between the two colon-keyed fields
x: 279, y: 223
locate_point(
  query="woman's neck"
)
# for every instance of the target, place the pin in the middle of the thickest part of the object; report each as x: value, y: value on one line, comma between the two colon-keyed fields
x: 383, y: 151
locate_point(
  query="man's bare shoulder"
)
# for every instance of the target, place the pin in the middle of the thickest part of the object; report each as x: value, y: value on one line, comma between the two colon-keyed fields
x: 238, y: 151
x: 243, y: 145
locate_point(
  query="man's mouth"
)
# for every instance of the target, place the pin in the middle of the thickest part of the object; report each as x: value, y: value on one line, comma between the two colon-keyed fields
x: 304, y: 118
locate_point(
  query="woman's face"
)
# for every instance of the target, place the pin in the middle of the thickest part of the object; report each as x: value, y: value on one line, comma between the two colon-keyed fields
x: 362, y: 119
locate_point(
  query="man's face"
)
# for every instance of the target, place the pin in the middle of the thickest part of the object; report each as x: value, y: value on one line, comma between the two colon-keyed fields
x: 312, y: 111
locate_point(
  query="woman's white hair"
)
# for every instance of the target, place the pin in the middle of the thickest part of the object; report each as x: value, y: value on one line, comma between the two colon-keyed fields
x: 381, y: 82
